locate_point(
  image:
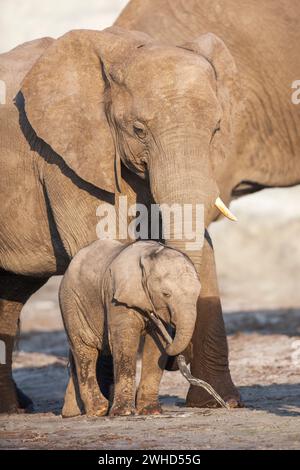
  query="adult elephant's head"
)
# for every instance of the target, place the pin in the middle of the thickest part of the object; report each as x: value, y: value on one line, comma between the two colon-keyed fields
x: 99, y: 98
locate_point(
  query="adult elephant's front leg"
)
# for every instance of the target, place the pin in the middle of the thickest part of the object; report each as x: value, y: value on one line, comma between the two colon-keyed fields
x: 14, y: 292
x: 210, y: 349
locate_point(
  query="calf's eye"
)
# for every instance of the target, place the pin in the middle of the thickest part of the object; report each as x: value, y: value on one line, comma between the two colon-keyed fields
x: 139, y: 130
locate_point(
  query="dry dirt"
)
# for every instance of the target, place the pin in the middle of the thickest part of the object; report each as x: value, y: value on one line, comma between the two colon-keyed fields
x: 265, y: 364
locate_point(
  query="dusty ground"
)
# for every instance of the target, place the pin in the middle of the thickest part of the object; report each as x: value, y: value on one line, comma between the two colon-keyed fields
x: 265, y: 363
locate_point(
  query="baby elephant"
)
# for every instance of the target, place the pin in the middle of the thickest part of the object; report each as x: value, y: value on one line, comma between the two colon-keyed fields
x: 106, y: 298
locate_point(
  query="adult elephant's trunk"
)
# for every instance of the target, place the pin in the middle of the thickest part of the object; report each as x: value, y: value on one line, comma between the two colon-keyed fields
x: 182, y: 182
x: 184, y: 318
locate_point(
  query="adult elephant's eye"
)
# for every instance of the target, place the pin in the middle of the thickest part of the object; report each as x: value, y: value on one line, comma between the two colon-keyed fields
x: 217, y: 128
x: 166, y: 294
x: 139, y: 130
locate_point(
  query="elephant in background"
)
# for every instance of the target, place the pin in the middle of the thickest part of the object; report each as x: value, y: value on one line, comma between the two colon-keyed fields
x: 106, y: 297
x: 96, y: 114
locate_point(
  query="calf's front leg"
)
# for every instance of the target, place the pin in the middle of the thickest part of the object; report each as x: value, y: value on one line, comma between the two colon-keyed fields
x: 125, y: 328
x: 153, y: 364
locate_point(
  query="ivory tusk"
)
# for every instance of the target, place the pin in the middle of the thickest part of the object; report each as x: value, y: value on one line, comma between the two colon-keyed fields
x: 224, y: 210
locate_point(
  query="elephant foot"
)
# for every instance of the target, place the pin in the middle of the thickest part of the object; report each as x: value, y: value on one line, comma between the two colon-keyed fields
x: 198, y: 397
x: 69, y: 414
x: 10, y: 406
x: 99, y: 412
x: 72, y: 403
x: 70, y: 409
x: 13, y: 400
x: 122, y: 410
x: 149, y: 409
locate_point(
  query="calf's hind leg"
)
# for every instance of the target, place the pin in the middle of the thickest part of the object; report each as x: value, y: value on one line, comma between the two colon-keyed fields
x: 125, y: 329
x: 95, y: 404
x: 72, y: 400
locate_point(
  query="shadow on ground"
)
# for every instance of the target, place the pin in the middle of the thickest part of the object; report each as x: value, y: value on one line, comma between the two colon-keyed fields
x: 278, y: 399
x: 45, y: 342
x: 267, y: 322
x: 46, y: 386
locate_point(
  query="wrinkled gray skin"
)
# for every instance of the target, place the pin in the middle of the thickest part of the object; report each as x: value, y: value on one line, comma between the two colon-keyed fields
x: 106, y: 296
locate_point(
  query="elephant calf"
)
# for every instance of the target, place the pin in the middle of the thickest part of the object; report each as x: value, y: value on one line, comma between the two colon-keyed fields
x: 106, y: 298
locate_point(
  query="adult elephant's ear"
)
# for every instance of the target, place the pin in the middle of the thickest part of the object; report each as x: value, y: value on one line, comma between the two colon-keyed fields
x: 214, y: 50
x: 64, y: 97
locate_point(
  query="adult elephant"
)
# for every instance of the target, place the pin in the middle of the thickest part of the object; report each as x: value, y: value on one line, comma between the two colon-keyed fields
x: 104, y: 113
x: 263, y: 38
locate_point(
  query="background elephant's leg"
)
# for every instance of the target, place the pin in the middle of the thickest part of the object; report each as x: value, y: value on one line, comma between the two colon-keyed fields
x: 14, y: 292
x: 70, y: 407
x: 125, y: 330
x: 153, y: 365
x: 95, y: 404
x: 210, y: 348
x: 72, y: 401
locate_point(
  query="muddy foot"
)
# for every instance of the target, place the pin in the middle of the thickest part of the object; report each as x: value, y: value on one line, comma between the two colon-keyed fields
x: 122, y: 410
x: 13, y: 400
x: 150, y: 409
x: 70, y: 411
x: 198, y: 397
x: 99, y: 412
